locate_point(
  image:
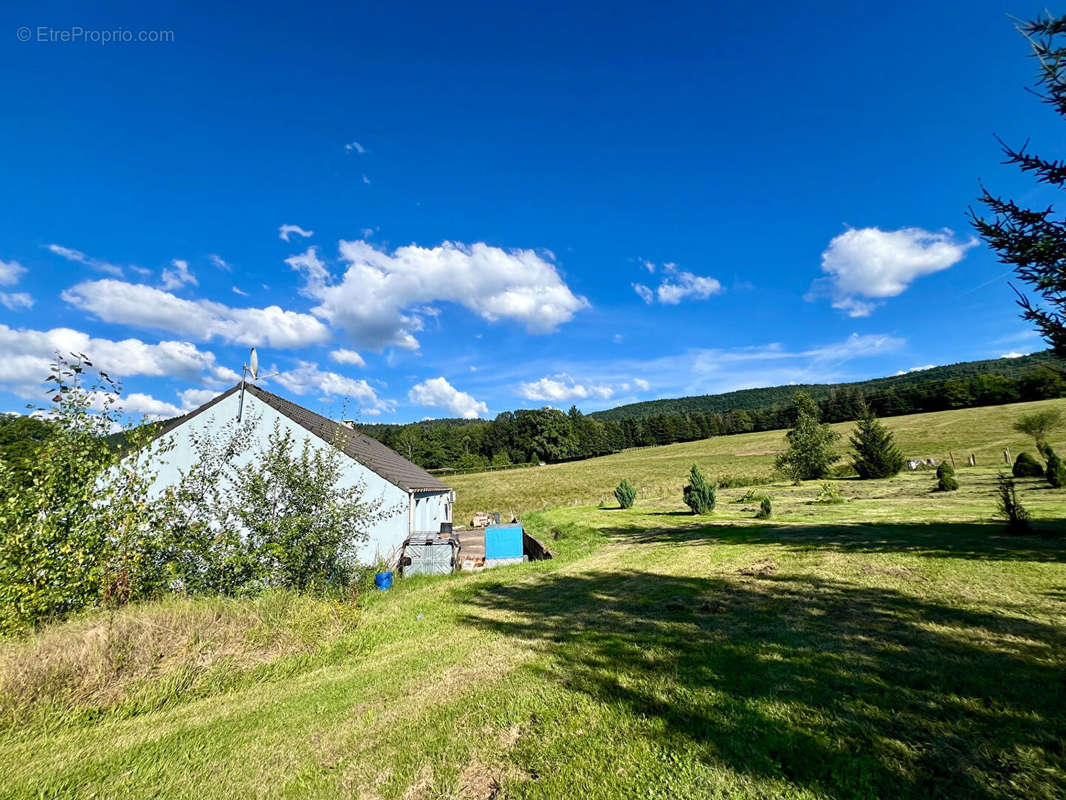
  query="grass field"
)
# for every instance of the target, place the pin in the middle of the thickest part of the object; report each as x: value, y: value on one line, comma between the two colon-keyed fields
x: 662, y: 471
x: 896, y: 645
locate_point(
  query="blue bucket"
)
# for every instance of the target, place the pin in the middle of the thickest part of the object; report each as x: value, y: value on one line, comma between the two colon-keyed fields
x: 383, y: 580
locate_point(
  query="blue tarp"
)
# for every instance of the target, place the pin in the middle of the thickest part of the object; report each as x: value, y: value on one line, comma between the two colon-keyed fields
x: 503, y: 541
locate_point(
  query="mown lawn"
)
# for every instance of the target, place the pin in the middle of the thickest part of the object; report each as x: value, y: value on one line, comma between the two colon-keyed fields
x: 747, y: 457
x: 898, y: 645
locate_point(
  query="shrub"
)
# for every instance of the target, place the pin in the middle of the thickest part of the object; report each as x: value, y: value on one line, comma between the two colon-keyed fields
x: 699, y: 495
x: 1025, y: 466
x: 1039, y: 424
x: 625, y: 493
x: 1056, y: 470
x: 809, y: 454
x: 1010, y: 508
x: 875, y: 452
x: 766, y: 508
x: 945, y: 478
x: 830, y: 494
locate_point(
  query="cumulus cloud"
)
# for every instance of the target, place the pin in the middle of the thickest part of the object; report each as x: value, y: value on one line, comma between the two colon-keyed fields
x: 922, y: 368
x: 27, y: 355
x: 194, y: 398
x: 381, y: 298
x: 307, y: 378
x: 343, y: 356
x: 285, y: 231
x: 561, y: 388
x: 202, y: 320
x: 355, y: 147
x: 438, y: 393
x: 864, y: 265
x: 147, y: 406
x: 677, y: 285
x: 10, y: 272
x: 1012, y: 354
x: 70, y: 254
x: 641, y: 384
x: 16, y: 301
x: 178, y: 276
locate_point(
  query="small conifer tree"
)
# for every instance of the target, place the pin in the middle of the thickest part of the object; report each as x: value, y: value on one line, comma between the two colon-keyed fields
x: 1010, y: 508
x: 625, y: 493
x: 766, y: 508
x: 945, y: 478
x: 699, y: 495
x: 1056, y: 470
x: 876, y: 454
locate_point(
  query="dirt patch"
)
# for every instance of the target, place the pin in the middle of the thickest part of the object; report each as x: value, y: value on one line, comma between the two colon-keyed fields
x: 764, y: 566
x: 479, y: 782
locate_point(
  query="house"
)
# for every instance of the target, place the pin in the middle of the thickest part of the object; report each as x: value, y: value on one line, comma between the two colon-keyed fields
x: 422, y: 501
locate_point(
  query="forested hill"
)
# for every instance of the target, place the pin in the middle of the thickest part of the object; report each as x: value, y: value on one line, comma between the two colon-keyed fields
x: 756, y: 399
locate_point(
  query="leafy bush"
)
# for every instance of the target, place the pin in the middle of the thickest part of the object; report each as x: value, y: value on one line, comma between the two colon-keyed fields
x: 809, y: 454
x: 625, y: 493
x: 1025, y: 466
x: 875, y: 452
x: 699, y: 495
x: 1056, y: 470
x: 766, y: 508
x: 1009, y: 506
x: 945, y: 478
x: 830, y: 494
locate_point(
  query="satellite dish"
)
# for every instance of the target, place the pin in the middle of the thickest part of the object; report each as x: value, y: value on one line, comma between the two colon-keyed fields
x: 253, y: 364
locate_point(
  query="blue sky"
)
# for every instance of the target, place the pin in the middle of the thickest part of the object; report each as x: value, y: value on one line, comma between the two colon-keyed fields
x: 505, y: 206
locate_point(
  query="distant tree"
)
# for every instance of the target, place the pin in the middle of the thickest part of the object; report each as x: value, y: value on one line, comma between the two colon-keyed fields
x: 1039, y: 424
x: 1009, y: 507
x: 1034, y: 241
x: 699, y: 495
x: 1025, y: 466
x: 1056, y: 470
x: 945, y: 478
x: 625, y: 493
x: 875, y: 451
x: 809, y: 455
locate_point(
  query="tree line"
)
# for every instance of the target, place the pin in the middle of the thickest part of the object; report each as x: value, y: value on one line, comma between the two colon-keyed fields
x: 549, y: 435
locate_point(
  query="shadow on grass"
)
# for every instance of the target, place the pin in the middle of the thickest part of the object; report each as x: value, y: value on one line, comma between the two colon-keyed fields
x: 839, y: 688
x: 989, y: 541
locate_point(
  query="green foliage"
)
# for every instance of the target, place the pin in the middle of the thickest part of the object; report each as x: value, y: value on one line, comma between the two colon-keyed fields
x: 1009, y: 507
x: 875, y: 452
x: 809, y: 454
x: 699, y: 495
x: 625, y: 493
x: 1056, y: 470
x: 830, y: 494
x: 80, y: 534
x: 1026, y: 466
x: 766, y: 508
x: 1039, y: 424
x: 21, y: 438
x: 945, y: 478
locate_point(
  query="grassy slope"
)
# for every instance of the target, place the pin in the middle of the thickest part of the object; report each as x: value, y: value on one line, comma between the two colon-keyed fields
x: 662, y: 470
x: 658, y: 656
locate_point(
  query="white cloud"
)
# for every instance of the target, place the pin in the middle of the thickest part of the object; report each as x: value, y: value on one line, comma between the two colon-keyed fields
x: 10, y: 272
x: 366, y: 180
x: 343, y: 356
x: 438, y: 393
x: 78, y: 256
x: 355, y: 147
x: 239, y: 291
x: 381, y: 298
x: 285, y: 231
x: 194, y: 398
x: 26, y: 355
x: 1012, y: 354
x: 307, y: 378
x: 553, y: 390
x: 179, y: 276
x: 202, y: 320
x: 220, y: 262
x: 16, y: 301
x: 677, y: 285
x: 641, y: 384
x: 916, y: 369
x: 148, y: 406
x: 864, y: 263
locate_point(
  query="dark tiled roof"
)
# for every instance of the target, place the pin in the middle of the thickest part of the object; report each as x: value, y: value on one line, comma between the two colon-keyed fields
x: 368, y: 451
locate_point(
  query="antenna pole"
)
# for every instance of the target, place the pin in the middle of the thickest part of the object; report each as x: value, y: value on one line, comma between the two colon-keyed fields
x: 240, y: 403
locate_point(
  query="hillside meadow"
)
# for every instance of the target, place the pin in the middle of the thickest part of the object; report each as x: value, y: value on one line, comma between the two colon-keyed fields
x: 739, y: 459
